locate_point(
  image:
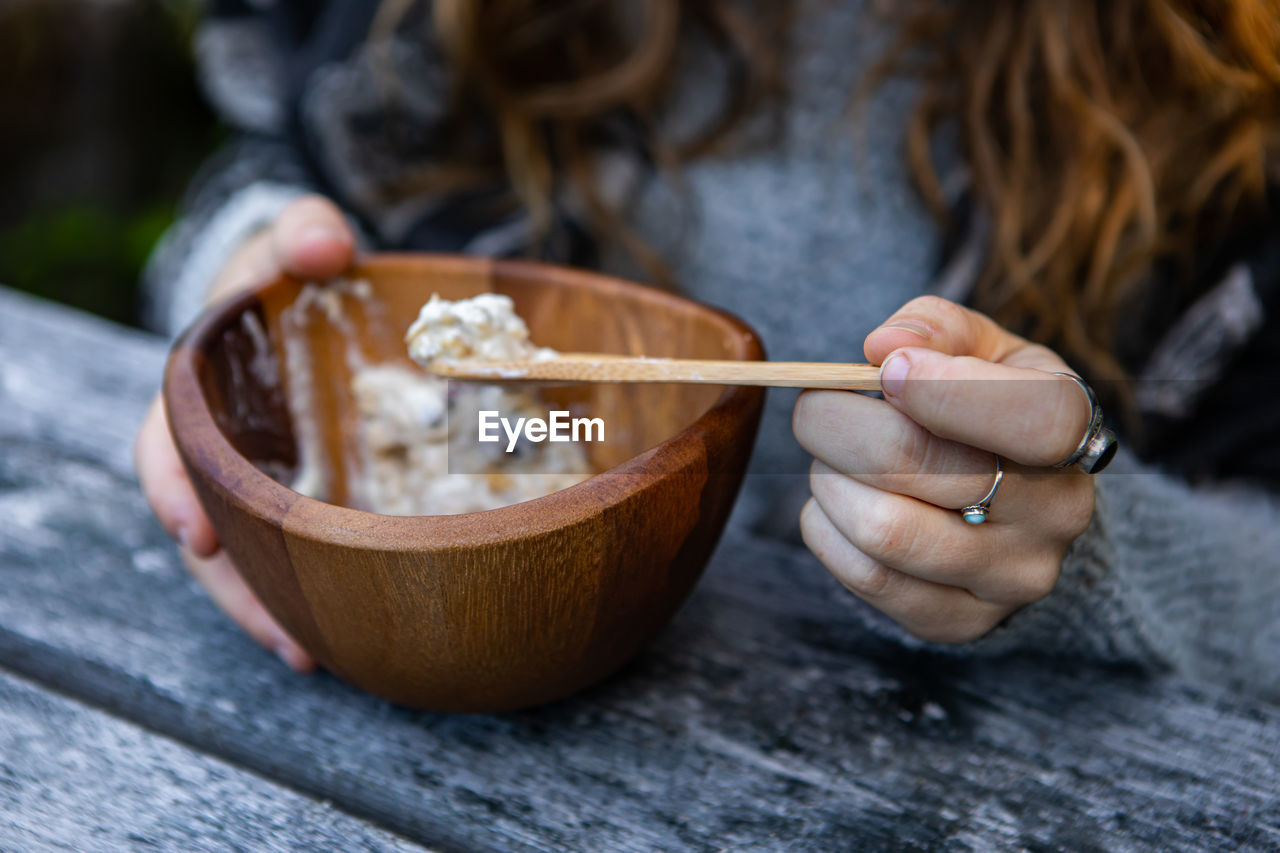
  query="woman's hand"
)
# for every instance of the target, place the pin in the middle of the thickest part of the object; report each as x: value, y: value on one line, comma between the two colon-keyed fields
x: 309, y: 239
x: 889, y: 475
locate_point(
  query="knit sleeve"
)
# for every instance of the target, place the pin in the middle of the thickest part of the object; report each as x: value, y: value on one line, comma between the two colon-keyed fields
x: 1167, y: 575
x: 241, y: 188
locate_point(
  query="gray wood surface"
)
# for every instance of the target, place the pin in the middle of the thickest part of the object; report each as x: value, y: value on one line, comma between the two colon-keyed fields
x: 761, y: 719
x: 75, y: 778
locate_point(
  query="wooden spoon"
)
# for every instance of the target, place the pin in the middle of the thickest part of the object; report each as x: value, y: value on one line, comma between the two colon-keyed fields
x: 601, y: 367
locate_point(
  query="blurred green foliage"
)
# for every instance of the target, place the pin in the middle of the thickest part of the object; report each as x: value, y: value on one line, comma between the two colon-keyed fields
x: 83, y: 255
x: 101, y: 127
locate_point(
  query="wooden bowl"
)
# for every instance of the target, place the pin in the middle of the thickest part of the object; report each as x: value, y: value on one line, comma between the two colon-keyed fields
x: 485, y: 611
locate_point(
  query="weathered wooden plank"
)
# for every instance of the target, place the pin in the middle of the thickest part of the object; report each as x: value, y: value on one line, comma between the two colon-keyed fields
x: 75, y: 778
x: 761, y: 718
x: 110, y: 367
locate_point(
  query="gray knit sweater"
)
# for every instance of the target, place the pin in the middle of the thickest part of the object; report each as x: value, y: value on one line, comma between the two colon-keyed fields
x: 813, y: 240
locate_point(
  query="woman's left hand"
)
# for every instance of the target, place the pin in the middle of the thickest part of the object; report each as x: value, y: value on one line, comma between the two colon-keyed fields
x: 889, y: 476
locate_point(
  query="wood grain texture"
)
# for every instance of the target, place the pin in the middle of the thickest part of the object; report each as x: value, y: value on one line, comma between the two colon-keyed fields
x: 75, y: 778
x: 761, y: 718
x: 482, y: 611
x: 602, y: 367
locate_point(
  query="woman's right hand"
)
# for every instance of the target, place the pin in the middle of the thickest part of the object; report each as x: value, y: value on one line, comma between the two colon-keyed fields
x: 310, y: 239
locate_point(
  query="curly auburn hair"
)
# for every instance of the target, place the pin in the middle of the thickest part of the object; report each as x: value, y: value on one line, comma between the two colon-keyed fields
x: 1101, y: 136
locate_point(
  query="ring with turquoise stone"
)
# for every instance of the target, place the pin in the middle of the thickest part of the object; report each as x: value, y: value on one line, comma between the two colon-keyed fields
x: 977, y: 513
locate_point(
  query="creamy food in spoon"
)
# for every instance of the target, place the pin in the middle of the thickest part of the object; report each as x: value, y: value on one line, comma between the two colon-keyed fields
x: 484, y: 328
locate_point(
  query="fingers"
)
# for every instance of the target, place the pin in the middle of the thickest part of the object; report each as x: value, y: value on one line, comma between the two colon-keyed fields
x: 933, y: 612
x: 871, y: 441
x: 930, y: 347
x: 889, y: 475
x: 1022, y: 413
x: 993, y: 562
x: 311, y: 239
x: 943, y: 326
x: 166, y: 485
x: 229, y: 591
x: 172, y: 498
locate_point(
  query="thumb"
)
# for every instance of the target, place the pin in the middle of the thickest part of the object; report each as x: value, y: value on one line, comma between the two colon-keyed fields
x: 311, y: 239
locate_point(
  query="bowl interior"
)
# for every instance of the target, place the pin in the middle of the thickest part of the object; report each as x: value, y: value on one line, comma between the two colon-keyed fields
x: 243, y: 379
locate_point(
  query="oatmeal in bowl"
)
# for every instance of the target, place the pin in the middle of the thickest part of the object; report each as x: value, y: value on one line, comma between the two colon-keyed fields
x: 415, y: 449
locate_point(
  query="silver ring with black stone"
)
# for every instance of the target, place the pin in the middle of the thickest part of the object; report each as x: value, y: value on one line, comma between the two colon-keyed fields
x: 1099, y: 444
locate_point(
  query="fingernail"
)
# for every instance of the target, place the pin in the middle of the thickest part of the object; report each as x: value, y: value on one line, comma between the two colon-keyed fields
x: 909, y: 326
x: 321, y: 233
x: 893, y: 374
